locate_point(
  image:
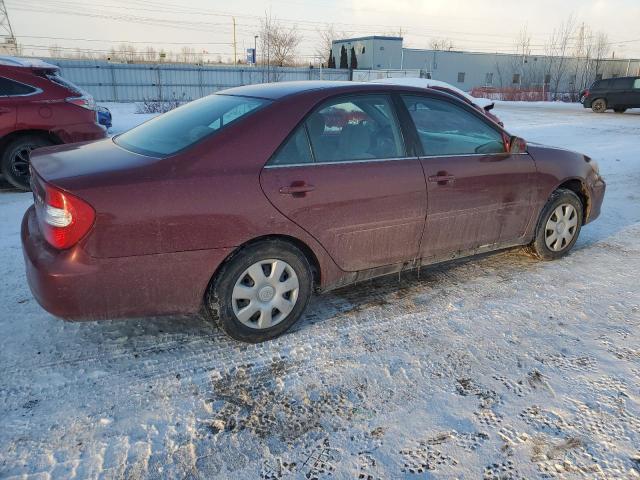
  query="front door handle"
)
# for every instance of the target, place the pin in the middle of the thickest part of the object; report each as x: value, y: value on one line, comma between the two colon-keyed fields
x: 442, y: 178
x: 5, y: 110
x: 297, y: 189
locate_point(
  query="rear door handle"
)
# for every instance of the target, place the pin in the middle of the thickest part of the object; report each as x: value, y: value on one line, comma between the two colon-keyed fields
x: 442, y: 179
x: 297, y: 190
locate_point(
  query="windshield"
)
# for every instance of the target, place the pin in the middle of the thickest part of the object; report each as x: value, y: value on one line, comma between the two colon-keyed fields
x: 180, y: 128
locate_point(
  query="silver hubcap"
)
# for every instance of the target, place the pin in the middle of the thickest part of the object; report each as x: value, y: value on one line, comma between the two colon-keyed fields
x: 265, y: 293
x: 561, y: 227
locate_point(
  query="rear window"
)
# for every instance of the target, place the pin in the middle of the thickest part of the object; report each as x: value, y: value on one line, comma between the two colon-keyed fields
x: 600, y: 84
x: 63, y: 82
x: 9, y: 88
x: 186, y: 125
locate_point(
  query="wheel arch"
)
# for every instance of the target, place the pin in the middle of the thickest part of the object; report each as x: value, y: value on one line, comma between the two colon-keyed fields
x: 4, y: 141
x: 302, y: 246
x: 577, y: 186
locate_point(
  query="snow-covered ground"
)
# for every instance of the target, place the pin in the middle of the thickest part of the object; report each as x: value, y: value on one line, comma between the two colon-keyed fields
x: 491, y: 367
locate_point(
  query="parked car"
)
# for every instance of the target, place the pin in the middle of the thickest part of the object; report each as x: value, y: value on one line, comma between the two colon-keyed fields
x: 618, y: 94
x: 482, y: 104
x: 38, y: 108
x: 104, y: 116
x: 247, y: 201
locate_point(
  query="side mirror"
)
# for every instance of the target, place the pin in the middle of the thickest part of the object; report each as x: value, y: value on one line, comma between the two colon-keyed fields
x: 489, y: 107
x: 517, y: 145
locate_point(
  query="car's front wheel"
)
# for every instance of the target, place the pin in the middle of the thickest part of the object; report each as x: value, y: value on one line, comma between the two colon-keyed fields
x: 261, y: 291
x: 558, y: 226
x: 599, y: 105
x: 15, y: 159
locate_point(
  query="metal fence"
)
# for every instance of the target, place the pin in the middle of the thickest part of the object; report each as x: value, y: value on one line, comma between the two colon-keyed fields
x: 136, y: 82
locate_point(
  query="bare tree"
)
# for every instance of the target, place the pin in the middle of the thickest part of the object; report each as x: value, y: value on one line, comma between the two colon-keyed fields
x: 150, y: 54
x: 558, y: 49
x: 326, y: 37
x: 601, y: 49
x: 445, y: 44
x: 55, y: 51
x: 125, y: 52
x: 279, y: 43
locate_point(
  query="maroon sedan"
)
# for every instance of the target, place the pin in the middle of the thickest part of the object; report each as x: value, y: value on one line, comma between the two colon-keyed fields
x: 38, y: 108
x: 248, y: 200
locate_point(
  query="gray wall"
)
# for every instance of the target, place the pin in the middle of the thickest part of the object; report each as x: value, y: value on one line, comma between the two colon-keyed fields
x: 446, y: 65
x: 118, y: 82
x: 379, y: 52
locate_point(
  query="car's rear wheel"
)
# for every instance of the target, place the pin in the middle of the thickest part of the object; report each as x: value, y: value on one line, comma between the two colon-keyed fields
x: 599, y: 105
x: 558, y: 226
x: 15, y: 159
x: 619, y: 110
x: 261, y: 291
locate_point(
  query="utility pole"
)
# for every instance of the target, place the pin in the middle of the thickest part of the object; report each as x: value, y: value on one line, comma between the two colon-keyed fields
x: 235, y: 56
x: 10, y: 45
x: 255, y: 50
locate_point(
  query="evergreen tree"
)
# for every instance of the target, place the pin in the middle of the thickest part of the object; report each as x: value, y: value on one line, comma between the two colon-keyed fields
x: 354, y: 59
x: 343, y: 58
x: 331, y: 63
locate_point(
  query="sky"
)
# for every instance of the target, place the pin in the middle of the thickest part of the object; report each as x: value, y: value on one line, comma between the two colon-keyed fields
x: 207, y: 26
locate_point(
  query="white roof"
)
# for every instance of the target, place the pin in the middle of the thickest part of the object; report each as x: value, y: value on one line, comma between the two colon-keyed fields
x: 26, y: 62
x: 427, y: 82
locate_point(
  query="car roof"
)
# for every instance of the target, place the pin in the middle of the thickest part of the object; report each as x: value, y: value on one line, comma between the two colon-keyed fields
x: 431, y: 83
x: 278, y: 90
x: 31, y: 63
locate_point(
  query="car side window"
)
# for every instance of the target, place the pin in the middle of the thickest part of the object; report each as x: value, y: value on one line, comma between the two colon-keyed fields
x: 360, y: 127
x: 10, y: 88
x: 295, y: 150
x: 447, y: 129
x: 621, y: 83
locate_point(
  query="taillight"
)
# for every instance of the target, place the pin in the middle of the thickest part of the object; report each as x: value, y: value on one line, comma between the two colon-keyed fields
x: 85, y: 101
x: 586, y: 93
x: 63, y: 218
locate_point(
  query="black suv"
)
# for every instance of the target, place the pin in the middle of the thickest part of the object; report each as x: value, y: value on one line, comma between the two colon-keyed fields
x: 613, y: 93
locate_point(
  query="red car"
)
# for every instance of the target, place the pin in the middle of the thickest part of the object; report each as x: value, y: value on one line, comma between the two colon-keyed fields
x: 39, y: 108
x: 249, y: 200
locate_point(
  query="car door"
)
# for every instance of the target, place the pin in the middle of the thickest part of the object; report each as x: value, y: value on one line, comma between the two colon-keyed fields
x: 620, y: 92
x: 479, y: 195
x: 343, y: 176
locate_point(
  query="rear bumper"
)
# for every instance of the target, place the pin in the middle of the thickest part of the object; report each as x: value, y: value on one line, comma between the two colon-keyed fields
x: 81, y: 132
x: 75, y: 286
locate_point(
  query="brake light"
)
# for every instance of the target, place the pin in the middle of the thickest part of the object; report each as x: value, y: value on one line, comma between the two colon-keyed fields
x: 63, y: 218
x: 84, y: 101
x: 586, y: 93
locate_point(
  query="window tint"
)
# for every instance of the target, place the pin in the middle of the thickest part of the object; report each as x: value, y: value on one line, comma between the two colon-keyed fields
x: 447, y: 129
x: 621, y: 83
x: 63, y: 82
x: 186, y: 125
x: 295, y: 150
x: 10, y: 88
x: 636, y: 83
x: 355, y: 128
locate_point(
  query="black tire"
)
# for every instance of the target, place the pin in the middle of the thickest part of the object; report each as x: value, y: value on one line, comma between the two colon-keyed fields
x: 219, y: 303
x: 599, y: 105
x: 538, y: 248
x: 619, y: 110
x: 15, y: 159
